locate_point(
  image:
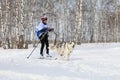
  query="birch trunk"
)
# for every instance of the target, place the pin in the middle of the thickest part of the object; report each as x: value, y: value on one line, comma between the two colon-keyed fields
x: 79, y: 16
x: 21, y: 29
x: 16, y: 26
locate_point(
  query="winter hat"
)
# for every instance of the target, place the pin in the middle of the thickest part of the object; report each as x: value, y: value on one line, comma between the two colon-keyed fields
x: 44, y: 17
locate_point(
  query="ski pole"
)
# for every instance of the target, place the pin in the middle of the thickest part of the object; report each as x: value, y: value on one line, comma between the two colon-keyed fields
x: 32, y: 51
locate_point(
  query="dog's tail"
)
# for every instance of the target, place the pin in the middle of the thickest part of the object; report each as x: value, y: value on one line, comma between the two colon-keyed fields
x: 52, y: 47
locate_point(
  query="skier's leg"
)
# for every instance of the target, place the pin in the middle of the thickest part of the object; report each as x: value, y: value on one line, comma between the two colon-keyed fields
x: 47, y: 44
x: 42, y: 47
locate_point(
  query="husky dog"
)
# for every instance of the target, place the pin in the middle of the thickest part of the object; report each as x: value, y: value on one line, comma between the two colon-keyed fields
x: 64, y: 49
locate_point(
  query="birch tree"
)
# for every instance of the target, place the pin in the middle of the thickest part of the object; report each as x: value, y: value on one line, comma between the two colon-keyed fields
x: 83, y: 21
x: 1, y: 27
x: 79, y: 18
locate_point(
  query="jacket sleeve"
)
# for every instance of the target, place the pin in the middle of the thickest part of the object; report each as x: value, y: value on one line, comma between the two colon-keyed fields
x: 47, y: 29
x: 44, y: 30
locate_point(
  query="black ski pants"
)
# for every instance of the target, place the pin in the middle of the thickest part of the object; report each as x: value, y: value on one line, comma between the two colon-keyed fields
x: 44, y: 41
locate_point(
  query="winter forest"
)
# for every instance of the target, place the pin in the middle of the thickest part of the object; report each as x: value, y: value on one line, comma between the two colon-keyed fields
x: 82, y: 21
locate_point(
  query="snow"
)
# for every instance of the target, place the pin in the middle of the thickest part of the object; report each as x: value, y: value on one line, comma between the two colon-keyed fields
x: 96, y: 61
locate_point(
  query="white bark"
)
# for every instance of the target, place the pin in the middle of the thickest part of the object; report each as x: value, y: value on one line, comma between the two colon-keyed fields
x: 16, y: 26
x: 79, y: 18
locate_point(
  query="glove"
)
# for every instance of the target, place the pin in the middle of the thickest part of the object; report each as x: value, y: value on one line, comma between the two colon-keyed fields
x: 50, y: 29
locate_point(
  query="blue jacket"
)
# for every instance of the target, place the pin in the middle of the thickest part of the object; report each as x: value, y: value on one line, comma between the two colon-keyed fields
x: 41, y: 28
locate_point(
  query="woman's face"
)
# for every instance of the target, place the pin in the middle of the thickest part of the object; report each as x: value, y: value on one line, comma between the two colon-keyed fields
x: 45, y: 21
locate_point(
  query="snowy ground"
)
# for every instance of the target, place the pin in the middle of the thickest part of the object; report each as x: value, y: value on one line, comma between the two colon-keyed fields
x: 88, y: 62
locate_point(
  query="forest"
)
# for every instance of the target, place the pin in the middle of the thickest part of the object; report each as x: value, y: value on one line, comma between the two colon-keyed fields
x: 82, y: 21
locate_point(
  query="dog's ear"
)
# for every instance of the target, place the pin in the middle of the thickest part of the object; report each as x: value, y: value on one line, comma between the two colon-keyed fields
x: 70, y: 42
x: 73, y: 44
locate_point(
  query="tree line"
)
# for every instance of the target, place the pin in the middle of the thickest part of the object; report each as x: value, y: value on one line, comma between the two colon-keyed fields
x: 82, y: 21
